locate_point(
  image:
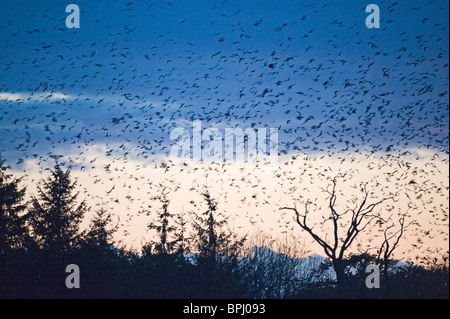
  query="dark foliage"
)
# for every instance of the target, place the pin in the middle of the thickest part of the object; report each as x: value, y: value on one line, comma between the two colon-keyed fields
x: 53, y: 217
x: 13, y: 232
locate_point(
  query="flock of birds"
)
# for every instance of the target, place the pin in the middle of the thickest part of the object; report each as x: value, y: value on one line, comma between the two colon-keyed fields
x: 107, y: 96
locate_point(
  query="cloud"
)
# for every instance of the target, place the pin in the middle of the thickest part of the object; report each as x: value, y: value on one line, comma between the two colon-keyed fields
x: 11, y: 97
x: 24, y: 97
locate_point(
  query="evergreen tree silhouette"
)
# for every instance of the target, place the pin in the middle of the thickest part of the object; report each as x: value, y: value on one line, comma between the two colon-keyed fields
x: 13, y: 232
x: 55, y: 217
x: 100, y: 231
x: 54, y: 220
x: 212, y: 239
x: 207, y: 229
x: 165, y: 244
x: 180, y: 235
x: 160, y: 269
x: 98, y: 257
x: 217, y: 249
x: 14, y: 240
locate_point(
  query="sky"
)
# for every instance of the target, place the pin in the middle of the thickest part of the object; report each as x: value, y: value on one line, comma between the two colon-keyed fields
x: 344, y: 98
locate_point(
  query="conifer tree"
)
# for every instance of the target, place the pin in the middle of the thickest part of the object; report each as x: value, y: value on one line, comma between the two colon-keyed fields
x: 161, y: 224
x: 181, y: 238
x: 55, y: 216
x: 100, y: 231
x: 13, y: 232
x: 212, y: 239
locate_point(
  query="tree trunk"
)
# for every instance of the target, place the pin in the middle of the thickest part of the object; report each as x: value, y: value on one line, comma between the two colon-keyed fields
x: 340, y: 278
x: 387, y: 286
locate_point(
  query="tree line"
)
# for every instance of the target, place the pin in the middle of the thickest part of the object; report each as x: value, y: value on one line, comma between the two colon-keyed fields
x: 40, y: 237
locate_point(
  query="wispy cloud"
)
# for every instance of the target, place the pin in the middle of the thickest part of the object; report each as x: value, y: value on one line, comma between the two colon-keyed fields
x: 24, y: 97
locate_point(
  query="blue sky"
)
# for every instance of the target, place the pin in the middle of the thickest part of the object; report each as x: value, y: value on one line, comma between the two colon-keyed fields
x: 109, y: 93
x: 305, y: 67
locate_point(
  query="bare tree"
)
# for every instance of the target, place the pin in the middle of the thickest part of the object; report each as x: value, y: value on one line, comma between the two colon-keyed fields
x: 361, y: 217
x: 391, y: 239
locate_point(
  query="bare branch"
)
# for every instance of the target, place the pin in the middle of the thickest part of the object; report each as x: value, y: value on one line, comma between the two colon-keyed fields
x: 301, y: 221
